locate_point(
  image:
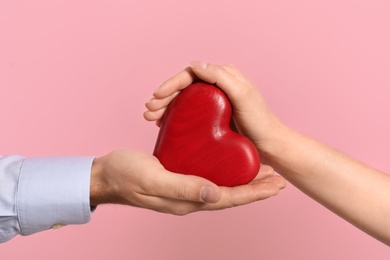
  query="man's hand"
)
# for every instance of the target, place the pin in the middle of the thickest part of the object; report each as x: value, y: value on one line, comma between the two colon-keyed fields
x: 138, y: 179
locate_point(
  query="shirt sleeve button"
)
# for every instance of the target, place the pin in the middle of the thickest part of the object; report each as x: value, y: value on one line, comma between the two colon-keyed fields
x: 57, y: 226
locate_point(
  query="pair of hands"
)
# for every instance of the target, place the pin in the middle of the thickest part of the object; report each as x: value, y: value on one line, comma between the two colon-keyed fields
x: 138, y: 179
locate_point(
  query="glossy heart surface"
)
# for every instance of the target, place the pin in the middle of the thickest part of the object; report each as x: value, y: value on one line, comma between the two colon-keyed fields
x: 195, y: 138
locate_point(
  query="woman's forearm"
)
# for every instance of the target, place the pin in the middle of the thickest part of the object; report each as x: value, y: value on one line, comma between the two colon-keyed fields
x: 354, y: 191
x: 351, y: 189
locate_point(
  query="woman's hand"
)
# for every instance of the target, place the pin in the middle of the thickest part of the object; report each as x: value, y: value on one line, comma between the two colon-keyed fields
x: 251, y: 114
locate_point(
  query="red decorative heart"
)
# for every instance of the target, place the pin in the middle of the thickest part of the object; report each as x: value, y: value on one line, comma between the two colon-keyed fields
x: 196, y: 138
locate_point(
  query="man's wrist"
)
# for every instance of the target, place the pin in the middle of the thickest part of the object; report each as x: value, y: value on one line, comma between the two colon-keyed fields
x: 96, y: 185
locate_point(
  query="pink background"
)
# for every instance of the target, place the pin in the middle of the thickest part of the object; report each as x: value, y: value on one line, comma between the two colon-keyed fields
x: 74, y: 76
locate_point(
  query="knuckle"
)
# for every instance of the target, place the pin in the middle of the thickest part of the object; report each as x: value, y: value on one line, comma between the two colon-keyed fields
x: 233, y: 202
x: 183, y: 193
x: 146, y: 186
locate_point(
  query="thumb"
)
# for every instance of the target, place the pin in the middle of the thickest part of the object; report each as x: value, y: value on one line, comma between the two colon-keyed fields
x: 186, y: 187
x: 218, y: 75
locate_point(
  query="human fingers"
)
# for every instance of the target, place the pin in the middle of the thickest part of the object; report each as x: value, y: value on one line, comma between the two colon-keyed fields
x: 171, y: 185
x: 230, y: 197
x: 236, y: 73
x: 278, y: 180
x: 222, y: 77
x: 268, y: 174
x: 155, y: 115
x: 176, y: 83
x: 266, y: 170
x: 166, y: 93
x: 158, y: 103
x: 156, y: 108
x: 245, y: 194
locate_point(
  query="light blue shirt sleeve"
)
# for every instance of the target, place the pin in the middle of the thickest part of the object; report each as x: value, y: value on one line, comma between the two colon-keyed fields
x: 37, y: 194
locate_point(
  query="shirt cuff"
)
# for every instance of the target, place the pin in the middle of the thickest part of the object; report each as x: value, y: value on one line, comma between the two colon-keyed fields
x: 53, y: 192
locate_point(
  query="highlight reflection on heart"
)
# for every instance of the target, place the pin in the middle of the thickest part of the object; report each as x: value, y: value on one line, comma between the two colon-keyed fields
x: 196, y: 138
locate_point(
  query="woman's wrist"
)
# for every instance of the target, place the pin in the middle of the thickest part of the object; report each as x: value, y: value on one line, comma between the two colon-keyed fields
x: 275, y: 145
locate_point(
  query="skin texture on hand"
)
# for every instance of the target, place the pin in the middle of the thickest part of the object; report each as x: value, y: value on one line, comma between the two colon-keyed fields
x: 261, y: 128
x: 137, y: 179
x: 356, y: 192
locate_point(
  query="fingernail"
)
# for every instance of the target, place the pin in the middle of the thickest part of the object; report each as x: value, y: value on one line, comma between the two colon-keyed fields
x: 156, y: 91
x: 209, y: 194
x: 198, y: 65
